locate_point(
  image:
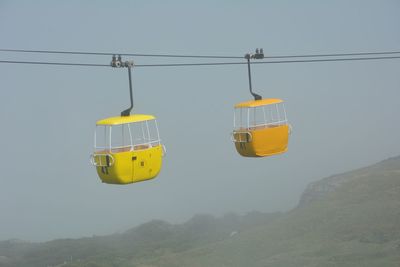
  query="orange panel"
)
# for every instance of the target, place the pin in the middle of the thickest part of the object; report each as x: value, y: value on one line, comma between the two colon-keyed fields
x: 264, y: 141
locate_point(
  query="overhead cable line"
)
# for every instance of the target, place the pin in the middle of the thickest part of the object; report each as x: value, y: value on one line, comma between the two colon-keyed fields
x: 265, y: 62
x: 197, y: 56
x: 110, y: 54
x: 339, y: 54
x: 203, y: 64
x: 54, y: 63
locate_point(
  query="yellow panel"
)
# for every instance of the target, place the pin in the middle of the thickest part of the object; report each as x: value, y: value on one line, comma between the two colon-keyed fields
x: 120, y: 172
x: 257, y: 103
x: 125, y: 119
x: 141, y: 164
x: 147, y: 164
x: 262, y: 141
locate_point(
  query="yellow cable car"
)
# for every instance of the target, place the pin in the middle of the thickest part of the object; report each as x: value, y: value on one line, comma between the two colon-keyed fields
x: 260, y: 128
x: 127, y: 149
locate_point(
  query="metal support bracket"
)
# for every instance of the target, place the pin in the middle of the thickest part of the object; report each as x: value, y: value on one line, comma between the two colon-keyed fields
x: 118, y: 63
x: 258, y: 55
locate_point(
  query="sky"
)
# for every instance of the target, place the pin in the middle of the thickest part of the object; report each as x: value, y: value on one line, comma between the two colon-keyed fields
x: 344, y: 114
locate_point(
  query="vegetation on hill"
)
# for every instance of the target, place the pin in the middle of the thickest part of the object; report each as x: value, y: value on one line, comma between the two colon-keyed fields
x: 352, y: 219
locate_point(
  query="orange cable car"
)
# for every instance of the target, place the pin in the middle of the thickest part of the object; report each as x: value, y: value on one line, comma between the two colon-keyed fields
x: 260, y: 126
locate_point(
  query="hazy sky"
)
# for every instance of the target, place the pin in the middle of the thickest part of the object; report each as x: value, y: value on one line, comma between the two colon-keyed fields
x: 344, y: 114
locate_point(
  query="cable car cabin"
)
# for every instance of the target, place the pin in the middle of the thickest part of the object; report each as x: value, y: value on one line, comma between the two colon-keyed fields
x: 127, y: 149
x: 260, y: 128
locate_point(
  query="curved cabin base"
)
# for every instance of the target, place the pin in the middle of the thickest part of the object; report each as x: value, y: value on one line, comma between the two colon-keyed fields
x: 126, y: 167
x: 262, y: 141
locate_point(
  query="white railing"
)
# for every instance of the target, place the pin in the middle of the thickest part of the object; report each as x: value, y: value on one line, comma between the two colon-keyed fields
x: 145, y: 143
x: 260, y: 125
x: 277, y: 123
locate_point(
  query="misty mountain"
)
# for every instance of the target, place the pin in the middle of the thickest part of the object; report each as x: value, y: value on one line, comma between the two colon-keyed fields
x: 351, y: 219
x: 142, y: 242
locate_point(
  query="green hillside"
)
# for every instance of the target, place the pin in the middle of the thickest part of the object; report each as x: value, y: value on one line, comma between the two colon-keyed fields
x: 352, y: 219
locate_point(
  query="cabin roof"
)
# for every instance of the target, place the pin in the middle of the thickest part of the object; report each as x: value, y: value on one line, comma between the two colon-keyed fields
x: 257, y: 103
x: 125, y: 119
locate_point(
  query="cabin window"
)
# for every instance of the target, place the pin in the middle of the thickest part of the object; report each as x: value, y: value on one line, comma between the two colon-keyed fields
x: 260, y: 116
x: 126, y: 137
x: 121, y: 139
x: 102, y: 140
x: 154, y: 137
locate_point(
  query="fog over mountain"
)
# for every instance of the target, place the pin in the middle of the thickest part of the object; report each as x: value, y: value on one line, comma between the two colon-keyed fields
x: 351, y: 219
x: 344, y: 114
